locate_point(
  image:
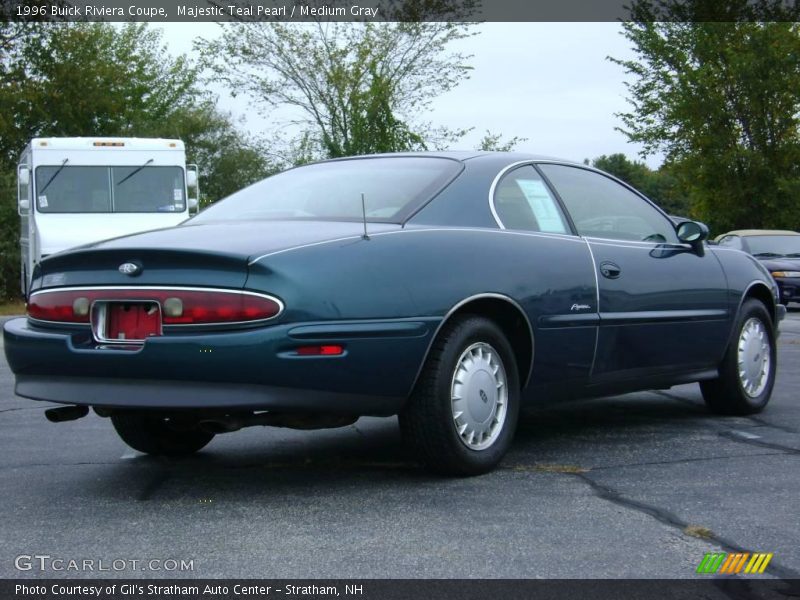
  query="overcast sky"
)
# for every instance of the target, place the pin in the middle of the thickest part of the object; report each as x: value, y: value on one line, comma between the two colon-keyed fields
x: 548, y: 82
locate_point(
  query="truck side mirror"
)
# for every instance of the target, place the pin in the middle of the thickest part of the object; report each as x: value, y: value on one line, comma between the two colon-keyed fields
x: 23, y: 189
x: 23, y: 175
x: 193, y: 182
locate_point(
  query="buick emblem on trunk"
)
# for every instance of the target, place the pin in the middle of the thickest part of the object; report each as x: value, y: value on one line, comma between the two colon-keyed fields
x: 130, y: 269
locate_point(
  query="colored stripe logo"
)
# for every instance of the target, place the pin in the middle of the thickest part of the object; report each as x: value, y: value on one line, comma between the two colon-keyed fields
x: 723, y: 563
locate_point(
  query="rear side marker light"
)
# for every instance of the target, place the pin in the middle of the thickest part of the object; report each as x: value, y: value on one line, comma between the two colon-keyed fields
x: 180, y: 306
x: 330, y: 350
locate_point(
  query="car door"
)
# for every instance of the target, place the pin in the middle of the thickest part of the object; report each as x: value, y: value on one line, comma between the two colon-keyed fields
x: 562, y: 296
x: 663, y: 306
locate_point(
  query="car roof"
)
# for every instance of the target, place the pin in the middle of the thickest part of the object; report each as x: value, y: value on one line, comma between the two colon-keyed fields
x: 753, y: 232
x: 463, y: 155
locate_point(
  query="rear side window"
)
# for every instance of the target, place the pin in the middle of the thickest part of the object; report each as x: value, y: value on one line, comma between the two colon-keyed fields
x: 523, y: 202
x: 602, y: 208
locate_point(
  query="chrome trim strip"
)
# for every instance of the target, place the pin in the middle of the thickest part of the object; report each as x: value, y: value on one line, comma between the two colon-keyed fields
x: 493, y: 187
x: 464, y: 302
x: 597, y: 308
x: 634, y: 244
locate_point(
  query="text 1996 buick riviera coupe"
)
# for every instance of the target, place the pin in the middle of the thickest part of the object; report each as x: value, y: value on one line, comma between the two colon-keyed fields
x: 446, y: 288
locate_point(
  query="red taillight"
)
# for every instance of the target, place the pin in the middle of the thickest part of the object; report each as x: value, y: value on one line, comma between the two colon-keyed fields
x: 330, y: 350
x: 179, y: 306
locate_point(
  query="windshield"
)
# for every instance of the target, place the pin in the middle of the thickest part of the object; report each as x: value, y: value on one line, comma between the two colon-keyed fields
x: 101, y: 189
x: 774, y: 245
x: 392, y: 188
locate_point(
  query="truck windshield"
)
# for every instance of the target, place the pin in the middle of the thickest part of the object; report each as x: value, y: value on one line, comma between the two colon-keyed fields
x: 96, y: 189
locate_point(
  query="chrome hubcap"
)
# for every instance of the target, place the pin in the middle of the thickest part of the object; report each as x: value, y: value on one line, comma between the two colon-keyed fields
x: 754, y: 357
x: 479, y: 396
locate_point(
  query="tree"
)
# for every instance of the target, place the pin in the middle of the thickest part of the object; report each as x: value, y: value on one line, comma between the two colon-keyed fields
x: 91, y: 79
x: 356, y: 87
x: 228, y: 159
x: 661, y: 186
x: 721, y: 100
x: 95, y: 79
x: 493, y: 142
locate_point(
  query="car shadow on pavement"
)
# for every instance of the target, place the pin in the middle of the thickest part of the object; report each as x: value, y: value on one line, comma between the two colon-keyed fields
x: 267, y: 461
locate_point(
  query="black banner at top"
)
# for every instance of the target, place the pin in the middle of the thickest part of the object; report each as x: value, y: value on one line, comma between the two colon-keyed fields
x: 160, y: 11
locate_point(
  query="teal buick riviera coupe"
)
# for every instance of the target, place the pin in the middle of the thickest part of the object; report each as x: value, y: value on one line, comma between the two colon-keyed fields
x: 445, y: 288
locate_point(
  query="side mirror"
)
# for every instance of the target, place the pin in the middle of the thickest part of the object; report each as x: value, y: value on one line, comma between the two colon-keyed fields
x: 23, y: 175
x: 24, y: 205
x: 694, y: 234
x: 191, y: 178
x: 193, y: 204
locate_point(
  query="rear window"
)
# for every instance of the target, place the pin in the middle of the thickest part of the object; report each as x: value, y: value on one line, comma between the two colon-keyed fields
x: 392, y: 189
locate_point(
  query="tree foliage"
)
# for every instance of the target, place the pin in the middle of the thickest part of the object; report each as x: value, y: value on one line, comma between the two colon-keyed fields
x: 356, y: 88
x: 93, y: 79
x: 661, y: 186
x: 493, y: 142
x: 721, y: 100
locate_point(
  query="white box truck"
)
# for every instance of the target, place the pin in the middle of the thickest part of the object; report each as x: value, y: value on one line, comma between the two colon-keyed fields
x: 74, y: 191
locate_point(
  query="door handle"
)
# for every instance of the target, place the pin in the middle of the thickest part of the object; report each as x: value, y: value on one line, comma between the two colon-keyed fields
x: 610, y: 270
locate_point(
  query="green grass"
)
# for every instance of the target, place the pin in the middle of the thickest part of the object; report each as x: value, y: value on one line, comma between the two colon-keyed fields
x: 14, y: 307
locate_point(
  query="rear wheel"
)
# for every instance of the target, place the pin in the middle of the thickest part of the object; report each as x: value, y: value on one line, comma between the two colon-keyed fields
x: 159, y: 434
x: 747, y: 373
x: 463, y: 413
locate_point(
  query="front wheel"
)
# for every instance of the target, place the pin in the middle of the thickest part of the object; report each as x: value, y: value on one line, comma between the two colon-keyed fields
x: 463, y: 412
x: 158, y: 434
x: 747, y: 373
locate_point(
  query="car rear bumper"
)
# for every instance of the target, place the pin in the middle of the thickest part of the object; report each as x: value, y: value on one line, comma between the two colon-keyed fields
x: 253, y: 369
x: 177, y: 395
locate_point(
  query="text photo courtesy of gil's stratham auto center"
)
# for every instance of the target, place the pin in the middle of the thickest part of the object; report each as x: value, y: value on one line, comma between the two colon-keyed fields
x: 399, y: 299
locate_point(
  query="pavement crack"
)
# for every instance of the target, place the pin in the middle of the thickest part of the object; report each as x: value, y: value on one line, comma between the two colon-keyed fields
x: 783, y: 428
x: 686, y: 460
x: 664, y: 516
x: 731, y: 435
x: 5, y: 410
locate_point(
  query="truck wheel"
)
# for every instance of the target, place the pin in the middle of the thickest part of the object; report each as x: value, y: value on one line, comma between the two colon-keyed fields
x: 747, y: 372
x: 154, y: 433
x: 461, y: 417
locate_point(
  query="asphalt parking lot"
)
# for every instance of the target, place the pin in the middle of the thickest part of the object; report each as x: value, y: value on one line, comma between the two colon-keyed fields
x: 641, y: 485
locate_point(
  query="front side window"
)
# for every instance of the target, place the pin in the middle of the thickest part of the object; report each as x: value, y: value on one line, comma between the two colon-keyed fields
x: 522, y: 201
x: 602, y: 208
x: 104, y: 189
x: 391, y: 188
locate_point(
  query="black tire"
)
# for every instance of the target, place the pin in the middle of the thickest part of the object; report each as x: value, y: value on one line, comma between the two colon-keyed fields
x: 154, y: 433
x: 427, y: 421
x: 726, y: 394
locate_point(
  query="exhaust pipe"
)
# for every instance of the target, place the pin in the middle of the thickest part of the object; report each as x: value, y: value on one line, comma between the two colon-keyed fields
x: 66, y: 413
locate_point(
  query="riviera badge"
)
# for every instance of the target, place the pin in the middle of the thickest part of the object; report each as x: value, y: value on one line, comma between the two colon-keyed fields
x: 130, y: 269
